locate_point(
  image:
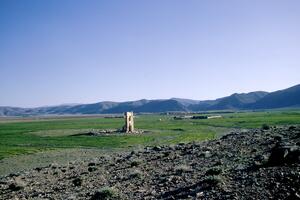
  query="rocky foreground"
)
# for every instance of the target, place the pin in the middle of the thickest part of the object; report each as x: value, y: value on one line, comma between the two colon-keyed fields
x: 254, y: 164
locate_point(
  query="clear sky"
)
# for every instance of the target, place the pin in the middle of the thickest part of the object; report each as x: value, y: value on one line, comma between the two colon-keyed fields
x: 70, y: 51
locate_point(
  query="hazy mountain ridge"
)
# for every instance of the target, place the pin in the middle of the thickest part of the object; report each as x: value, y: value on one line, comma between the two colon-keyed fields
x: 281, y: 98
x: 289, y: 97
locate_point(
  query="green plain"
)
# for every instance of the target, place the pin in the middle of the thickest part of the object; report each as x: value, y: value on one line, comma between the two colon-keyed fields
x: 30, y: 136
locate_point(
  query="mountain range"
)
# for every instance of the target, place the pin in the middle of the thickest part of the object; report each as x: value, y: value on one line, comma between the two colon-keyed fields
x: 285, y: 98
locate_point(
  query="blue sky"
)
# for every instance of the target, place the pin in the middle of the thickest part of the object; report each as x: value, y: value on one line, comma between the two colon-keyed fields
x: 70, y: 51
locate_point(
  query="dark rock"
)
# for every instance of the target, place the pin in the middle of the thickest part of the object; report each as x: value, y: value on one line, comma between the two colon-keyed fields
x: 14, y: 174
x: 91, y: 169
x: 292, y: 128
x: 214, y: 171
x: 205, y: 154
x: 135, y: 163
x: 212, y: 181
x: 284, y: 154
x: 278, y: 138
x: 38, y: 169
x: 293, y: 155
x: 157, y: 148
x: 91, y: 164
x: 16, y: 185
x: 77, y: 182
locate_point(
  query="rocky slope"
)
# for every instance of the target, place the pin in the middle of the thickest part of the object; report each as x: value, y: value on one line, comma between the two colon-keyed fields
x: 254, y: 164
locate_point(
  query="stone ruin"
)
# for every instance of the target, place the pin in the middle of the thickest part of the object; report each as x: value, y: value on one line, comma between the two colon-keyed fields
x: 127, y: 128
x: 129, y: 123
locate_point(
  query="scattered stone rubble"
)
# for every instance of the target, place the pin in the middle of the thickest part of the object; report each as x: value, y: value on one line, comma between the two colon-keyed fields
x: 254, y: 164
x: 127, y: 128
x: 105, y: 132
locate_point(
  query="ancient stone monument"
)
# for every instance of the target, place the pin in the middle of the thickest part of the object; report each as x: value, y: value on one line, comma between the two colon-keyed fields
x: 129, y: 124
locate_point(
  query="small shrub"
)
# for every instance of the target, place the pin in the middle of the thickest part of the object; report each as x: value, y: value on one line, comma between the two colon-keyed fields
x: 265, y: 127
x: 214, y: 171
x: 213, y: 181
x: 105, y: 194
x: 15, y: 187
x: 135, y: 163
x: 135, y: 174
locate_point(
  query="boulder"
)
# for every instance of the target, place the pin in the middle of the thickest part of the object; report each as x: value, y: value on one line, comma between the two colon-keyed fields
x: 284, y: 154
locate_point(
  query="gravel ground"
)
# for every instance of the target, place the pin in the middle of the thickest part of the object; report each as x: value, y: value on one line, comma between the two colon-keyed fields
x: 27, y: 162
x: 250, y: 164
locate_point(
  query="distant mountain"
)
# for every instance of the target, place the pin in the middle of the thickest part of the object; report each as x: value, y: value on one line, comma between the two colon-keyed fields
x: 237, y: 101
x: 289, y: 97
x: 12, y: 111
x: 126, y: 106
x: 95, y: 108
x: 186, y: 102
x: 161, y: 106
x: 234, y: 101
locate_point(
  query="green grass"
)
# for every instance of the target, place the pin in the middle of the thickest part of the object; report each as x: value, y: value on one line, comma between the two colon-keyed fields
x: 21, y: 137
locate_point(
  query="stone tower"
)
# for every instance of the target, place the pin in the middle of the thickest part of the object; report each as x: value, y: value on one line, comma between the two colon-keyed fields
x: 129, y: 124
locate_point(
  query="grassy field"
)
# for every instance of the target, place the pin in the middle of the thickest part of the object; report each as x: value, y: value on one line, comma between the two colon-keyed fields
x: 30, y: 136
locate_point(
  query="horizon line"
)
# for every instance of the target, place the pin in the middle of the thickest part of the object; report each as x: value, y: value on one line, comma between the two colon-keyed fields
x: 152, y: 99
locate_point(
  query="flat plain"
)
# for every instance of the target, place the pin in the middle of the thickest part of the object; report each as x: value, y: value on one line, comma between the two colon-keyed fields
x: 26, y: 143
